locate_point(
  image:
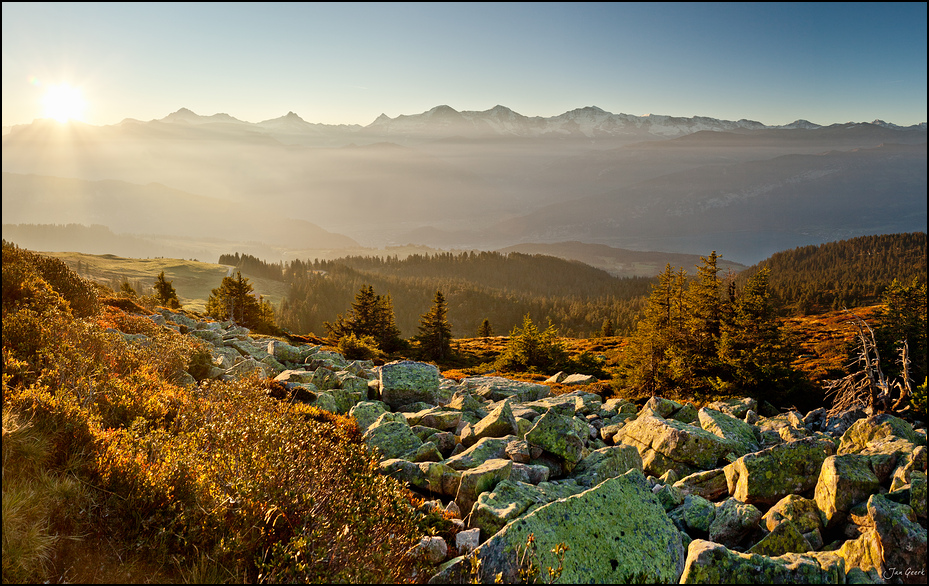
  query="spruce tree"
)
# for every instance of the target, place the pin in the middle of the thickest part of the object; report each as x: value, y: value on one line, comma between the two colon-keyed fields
x: 485, y: 330
x: 234, y: 300
x: 752, y: 347
x: 435, y: 333
x: 165, y: 293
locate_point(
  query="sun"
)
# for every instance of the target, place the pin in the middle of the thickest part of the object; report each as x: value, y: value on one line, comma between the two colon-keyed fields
x: 63, y: 103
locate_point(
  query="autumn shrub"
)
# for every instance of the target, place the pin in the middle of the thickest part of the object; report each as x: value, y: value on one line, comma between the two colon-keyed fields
x: 218, y: 480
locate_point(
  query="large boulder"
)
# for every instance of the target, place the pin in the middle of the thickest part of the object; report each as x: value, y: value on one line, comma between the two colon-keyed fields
x: 488, y: 448
x: 616, y: 533
x: 391, y: 436
x: 733, y: 521
x: 740, y: 435
x: 497, y: 388
x: 668, y: 444
x: 556, y: 435
x: 767, y: 476
x: 844, y: 481
x: 713, y: 563
x: 876, y: 428
x: 710, y: 484
x: 902, y: 539
x: 498, y: 423
x: 606, y: 463
x: 475, y: 481
x: 512, y: 498
x: 404, y: 382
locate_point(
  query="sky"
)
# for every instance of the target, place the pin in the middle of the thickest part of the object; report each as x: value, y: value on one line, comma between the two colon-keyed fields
x: 345, y: 63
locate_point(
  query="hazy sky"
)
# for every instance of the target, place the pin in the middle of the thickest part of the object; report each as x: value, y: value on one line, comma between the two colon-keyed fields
x: 348, y: 63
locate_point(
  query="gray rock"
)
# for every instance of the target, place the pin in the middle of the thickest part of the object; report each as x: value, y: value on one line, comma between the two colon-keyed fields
x: 404, y: 382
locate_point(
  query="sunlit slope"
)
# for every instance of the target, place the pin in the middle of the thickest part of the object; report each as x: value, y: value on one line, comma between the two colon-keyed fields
x: 193, y: 280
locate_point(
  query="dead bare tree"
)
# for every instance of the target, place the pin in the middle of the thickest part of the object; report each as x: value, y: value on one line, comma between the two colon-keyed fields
x: 867, y: 386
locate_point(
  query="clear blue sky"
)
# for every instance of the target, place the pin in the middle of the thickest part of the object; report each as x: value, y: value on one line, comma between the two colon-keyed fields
x: 348, y: 63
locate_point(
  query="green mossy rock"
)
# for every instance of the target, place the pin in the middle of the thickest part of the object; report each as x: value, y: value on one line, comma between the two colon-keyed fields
x: 667, y: 444
x: 556, y: 435
x: 844, y: 481
x: 712, y: 563
x: 767, y: 476
x: 616, y: 533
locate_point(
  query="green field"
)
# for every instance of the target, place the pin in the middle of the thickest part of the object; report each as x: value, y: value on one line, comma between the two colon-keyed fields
x: 193, y: 280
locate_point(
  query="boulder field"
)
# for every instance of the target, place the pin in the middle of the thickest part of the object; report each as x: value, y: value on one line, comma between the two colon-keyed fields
x: 733, y: 492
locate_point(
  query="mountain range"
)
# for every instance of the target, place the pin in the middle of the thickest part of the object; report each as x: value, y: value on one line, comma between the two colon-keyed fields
x: 483, y: 180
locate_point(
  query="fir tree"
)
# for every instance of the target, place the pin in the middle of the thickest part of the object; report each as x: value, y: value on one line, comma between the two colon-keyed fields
x: 607, y: 330
x: 485, y: 330
x: 435, y: 333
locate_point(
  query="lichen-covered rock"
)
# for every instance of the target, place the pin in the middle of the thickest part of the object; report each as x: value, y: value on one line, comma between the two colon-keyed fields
x: 556, y: 435
x: 875, y: 428
x: 902, y: 539
x: 391, y: 436
x: 667, y: 444
x: 462, y: 401
x: 284, y: 352
x: 863, y: 553
x: 367, y: 412
x: 475, y: 481
x: 785, y: 538
x: 844, y: 481
x: 496, y: 388
x: 606, y: 463
x: 737, y: 408
x: 438, y: 417
x: 508, y: 500
x: 617, y: 533
x: 295, y: 376
x: 403, y: 382
x: 803, y: 512
x: 733, y: 521
x: 767, y: 476
x: 668, y: 409
x: 918, y: 493
x: 713, y: 563
x: 738, y: 433
x: 694, y: 515
x: 498, y: 423
x: 467, y: 541
x: 489, y: 448
x: 710, y: 484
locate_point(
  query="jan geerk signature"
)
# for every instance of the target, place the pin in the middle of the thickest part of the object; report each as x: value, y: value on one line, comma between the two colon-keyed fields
x: 903, y: 573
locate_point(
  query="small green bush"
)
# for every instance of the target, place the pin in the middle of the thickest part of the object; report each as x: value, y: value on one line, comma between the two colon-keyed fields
x: 359, y: 348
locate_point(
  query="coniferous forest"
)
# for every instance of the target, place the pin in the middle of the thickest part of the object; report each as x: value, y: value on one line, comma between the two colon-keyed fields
x: 576, y: 298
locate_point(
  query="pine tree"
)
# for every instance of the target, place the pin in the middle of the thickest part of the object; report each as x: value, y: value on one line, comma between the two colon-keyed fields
x: 435, y: 333
x: 165, y: 293
x: 485, y: 330
x: 607, y: 330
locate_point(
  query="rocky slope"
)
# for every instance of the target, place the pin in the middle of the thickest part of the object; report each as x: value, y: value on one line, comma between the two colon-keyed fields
x: 731, y: 492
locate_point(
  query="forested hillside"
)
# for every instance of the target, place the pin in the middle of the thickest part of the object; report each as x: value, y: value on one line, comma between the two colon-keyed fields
x: 500, y: 288
x: 847, y: 273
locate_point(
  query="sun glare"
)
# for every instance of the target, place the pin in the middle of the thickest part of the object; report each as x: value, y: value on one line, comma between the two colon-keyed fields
x: 63, y: 103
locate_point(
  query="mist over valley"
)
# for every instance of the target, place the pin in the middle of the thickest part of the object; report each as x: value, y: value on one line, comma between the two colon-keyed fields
x: 468, y: 180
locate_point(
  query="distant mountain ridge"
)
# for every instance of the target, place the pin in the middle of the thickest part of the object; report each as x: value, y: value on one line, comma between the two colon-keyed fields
x: 485, y: 180
x: 443, y: 120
